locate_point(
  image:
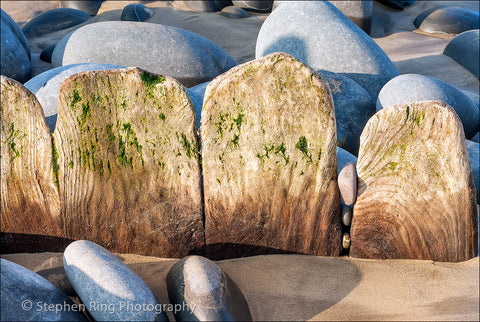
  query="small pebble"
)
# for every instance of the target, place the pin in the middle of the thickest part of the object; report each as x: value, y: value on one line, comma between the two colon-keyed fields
x: 346, y: 241
x: 347, y: 213
x: 347, y: 183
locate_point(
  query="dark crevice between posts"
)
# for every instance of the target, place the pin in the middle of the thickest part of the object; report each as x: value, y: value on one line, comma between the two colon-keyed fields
x: 203, y: 249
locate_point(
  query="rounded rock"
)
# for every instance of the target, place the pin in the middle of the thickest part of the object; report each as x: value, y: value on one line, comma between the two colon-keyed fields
x: 189, y: 58
x: 136, y: 12
x: 254, y: 5
x: 90, y: 7
x: 46, y: 86
x: 476, y: 138
x: 17, y: 31
x: 47, y: 52
x: 22, y: 292
x: 343, y: 158
x: 450, y: 20
x: 54, y: 20
x: 196, y: 94
x: 207, y: 5
x: 346, y: 241
x: 424, y: 14
x: 347, y: 183
x: 321, y: 36
x: 360, y: 12
x: 101, y: 278
x: 464, y: 49
x: 234, y: 12
x: 397, y: 4
x: 474, y: 97
x: 411, y: 88
x: 209, y: 292
x: 15, y: 53
x: 353, y: 108
x: 347, y: 214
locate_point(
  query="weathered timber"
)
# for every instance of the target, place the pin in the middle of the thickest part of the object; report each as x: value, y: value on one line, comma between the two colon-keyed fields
x: 416, y: 197
x: 128, y: 160
x: 29, y: 192
x: 269, y: 161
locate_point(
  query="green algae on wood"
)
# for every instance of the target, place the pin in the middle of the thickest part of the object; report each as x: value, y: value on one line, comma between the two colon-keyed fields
x: 29, y: 198
x: 142, y: 185
x: 416, y: 196
x: 262, y: 123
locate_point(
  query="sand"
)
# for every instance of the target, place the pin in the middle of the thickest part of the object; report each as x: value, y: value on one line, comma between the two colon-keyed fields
x: 283, y: 287
x: 297, y: 287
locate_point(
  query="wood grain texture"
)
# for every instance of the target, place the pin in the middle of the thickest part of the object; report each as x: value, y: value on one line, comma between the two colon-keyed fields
x: 29, y: 195
x: 269, y: 160
x: 416, y: 197
x: 129, y: 166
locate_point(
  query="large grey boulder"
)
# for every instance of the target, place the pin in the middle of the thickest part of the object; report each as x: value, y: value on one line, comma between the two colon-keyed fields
x: 15, y: 53
x: 321, y: 36
x: 180, y: 54
x: 54, y: 20
x: 451, y: 20
x: 410, y: 88
x: 46, y: 86
x: 101, y: 279
x: 25, y: 294
x: 474, y: 155
x: 464, y: 49
x: 353, y: 108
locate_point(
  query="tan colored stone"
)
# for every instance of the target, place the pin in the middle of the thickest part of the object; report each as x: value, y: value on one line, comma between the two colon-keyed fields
x: 347, y: 184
